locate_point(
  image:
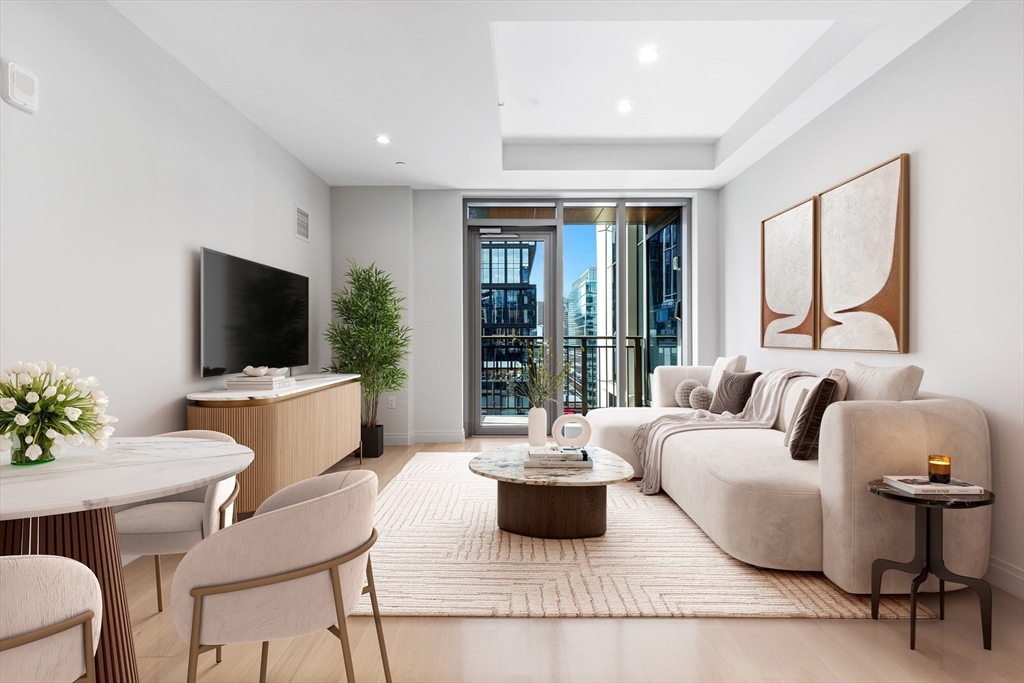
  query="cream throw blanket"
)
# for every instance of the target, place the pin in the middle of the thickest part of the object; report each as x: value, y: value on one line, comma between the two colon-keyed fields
x: 760, y: 412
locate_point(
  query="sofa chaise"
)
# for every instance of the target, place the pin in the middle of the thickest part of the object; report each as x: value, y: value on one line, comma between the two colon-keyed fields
x: 763, y: 507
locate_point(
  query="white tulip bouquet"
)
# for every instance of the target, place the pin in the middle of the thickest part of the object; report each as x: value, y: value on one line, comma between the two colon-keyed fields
x: 42, y: 405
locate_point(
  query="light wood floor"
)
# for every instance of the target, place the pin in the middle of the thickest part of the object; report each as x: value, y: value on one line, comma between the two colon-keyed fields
x: 466, y: 649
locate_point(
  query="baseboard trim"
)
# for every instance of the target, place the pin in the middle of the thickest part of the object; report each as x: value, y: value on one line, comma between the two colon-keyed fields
x: 457, y: 436
x: 1005, y: 575
x: 398, y: 439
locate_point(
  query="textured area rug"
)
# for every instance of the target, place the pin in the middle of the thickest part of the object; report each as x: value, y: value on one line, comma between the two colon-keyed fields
x: 440, y: 553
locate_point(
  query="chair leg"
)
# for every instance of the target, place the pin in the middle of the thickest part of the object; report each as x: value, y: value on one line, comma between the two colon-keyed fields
x: 159, y: 585
x: 376, y: 619
x: 193, y: 642
x: 263, y: 661
x: 219, y: 653
x: 339, y: 605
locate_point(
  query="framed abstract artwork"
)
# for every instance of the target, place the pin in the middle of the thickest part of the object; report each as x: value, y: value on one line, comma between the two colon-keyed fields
x: 788, y: 277
x: 863, y: 242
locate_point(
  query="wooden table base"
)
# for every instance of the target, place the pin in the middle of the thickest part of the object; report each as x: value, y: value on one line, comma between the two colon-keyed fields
x: 91, y: 538
x: 552, y: 511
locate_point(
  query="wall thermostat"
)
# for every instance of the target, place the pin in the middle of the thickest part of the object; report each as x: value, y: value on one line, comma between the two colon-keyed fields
x: 19, y: 86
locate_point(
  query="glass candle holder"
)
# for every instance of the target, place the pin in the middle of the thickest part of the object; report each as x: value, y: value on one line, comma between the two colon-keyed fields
x: 938, y: 469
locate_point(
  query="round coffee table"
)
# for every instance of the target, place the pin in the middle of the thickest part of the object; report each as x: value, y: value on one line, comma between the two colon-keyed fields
x: 548, y: 502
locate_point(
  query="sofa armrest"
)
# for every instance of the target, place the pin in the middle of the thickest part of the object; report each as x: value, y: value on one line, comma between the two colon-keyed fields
x: 667, y: 378
x: 865, y: 440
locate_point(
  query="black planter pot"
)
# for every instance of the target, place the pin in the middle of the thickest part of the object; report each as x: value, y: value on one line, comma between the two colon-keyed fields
x: 373, y: 441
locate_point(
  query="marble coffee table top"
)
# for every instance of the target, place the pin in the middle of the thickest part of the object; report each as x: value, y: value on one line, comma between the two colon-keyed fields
x: 506, y: 464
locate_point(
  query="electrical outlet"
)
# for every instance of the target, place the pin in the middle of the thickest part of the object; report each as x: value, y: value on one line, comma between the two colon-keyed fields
x: 392, y: 402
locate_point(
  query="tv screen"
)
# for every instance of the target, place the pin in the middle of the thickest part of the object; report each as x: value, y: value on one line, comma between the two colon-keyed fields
x: 251, y: 315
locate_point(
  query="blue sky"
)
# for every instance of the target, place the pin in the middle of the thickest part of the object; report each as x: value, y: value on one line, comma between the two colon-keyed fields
x: 580, y: 253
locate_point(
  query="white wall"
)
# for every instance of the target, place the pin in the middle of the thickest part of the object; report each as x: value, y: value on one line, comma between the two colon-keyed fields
x: 439, y: 316
x: 109, y: 191
x: 954, y: 102
x: 374, y: 225
x: 705, y: 278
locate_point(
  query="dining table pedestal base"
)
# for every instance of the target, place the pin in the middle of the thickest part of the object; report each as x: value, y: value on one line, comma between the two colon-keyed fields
x: 90, y: 537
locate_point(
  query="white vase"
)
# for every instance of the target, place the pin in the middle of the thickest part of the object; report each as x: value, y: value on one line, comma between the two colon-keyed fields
x: 538, y: 426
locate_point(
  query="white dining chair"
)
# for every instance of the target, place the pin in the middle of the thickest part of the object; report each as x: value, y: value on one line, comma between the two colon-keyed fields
x: 176, y: 523
x: 296, y: 567
x: 51, y: 611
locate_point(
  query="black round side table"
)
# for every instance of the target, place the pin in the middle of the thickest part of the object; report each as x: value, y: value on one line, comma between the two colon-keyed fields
x: 928, y: 553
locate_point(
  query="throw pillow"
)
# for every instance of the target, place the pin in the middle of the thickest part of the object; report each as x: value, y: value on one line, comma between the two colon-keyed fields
x: 796, y: 414
x: 839, y: 375
x: 803, y: 442
x: 701, y: 398
x: 733, y: 392
x: 683, y: 392
x: 732, y: 364
x: 868, y: 383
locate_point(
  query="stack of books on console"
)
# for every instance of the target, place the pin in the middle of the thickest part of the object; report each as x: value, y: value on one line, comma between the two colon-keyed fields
x: 246, y: 383
x: 558, y: 456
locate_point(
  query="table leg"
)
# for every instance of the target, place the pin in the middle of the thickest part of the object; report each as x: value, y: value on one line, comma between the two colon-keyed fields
x: 91, y: 538
x: 880, y: 567
x: 914, y: 585
x: 938, y: 567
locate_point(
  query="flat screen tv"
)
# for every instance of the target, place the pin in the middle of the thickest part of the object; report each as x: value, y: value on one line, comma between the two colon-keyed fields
x: 251, y: 315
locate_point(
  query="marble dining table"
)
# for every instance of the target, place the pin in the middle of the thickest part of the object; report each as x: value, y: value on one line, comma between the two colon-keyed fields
x: 65, y: 507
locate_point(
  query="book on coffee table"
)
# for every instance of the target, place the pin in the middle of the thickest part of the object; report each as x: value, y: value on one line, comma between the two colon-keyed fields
x: 921, y: 486
x: 559, y: 464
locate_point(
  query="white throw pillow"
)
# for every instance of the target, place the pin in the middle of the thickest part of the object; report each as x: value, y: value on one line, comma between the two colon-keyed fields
x: 732, y: 364
x: 869, y: 383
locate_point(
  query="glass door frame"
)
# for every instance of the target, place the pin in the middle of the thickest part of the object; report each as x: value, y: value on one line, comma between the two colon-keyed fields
x: 542, y: 230
x: 553, y: 229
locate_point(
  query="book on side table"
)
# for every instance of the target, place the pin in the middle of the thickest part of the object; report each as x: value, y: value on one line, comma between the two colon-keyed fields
x: 921, y: 486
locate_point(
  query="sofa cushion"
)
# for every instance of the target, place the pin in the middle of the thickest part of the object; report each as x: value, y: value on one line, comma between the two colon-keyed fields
x: 745, y: 491
x: 683, y: 392
x: 733, y: 392
x: 732, y: 364
x: 613, y: 429
x: 789, y: 400
x: 869, y: 383
x: 803, y: 442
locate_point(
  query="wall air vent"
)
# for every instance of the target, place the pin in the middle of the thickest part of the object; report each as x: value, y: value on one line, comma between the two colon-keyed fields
x: 301, y: 224
x: 19, y: 86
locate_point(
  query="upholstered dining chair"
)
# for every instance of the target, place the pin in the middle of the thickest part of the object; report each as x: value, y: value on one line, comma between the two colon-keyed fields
x: 175, y: 523
x: 50, y: 621
x: 295, y: 567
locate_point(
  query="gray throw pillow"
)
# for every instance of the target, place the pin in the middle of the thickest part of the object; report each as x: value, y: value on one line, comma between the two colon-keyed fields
x: 683, y: 392
x: 701, y: 397
x: 803, y: 442
x: 733, y: 392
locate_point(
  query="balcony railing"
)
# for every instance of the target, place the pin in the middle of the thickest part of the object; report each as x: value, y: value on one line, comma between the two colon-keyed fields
x: 590, y: 381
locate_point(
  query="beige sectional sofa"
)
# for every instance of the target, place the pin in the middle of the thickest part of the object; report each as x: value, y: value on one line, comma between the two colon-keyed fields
x: 759, y: 505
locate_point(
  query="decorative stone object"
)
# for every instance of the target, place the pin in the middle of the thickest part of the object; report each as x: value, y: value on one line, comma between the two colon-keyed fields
x: 701, y: 398
x: 250, y: 371
x: 582, y: 439
x: 277, y: 372
x: 683, y: 392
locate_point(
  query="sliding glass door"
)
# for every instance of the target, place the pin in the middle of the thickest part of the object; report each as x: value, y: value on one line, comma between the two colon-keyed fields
x: 604, y: 283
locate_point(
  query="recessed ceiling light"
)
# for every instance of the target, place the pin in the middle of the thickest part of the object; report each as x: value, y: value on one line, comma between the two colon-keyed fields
x: 648, y: 54
x: 383, y: 139
x: 624, y: 107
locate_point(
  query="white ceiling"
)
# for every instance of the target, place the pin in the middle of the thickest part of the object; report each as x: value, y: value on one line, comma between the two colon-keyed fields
x: 559, y: 81
x: 733, y: 81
